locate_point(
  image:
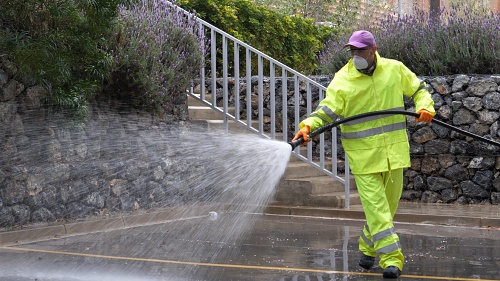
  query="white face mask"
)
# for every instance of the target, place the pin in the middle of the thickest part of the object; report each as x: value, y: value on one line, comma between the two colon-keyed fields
x: 359, y: 62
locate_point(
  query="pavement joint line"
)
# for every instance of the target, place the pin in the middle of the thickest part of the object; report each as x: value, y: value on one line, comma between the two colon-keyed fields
x: 137, y: 220
x: 236, y: 266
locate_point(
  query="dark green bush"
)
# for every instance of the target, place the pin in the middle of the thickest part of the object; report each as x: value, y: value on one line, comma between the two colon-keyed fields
x: 294, y: 41
x: 60, y: 44
x: 456, y: 41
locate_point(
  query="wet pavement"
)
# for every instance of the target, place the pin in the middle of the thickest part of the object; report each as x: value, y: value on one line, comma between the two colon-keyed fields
x: 271, y: 247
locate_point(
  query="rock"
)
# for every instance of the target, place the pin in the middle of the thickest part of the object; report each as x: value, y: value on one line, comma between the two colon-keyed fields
x: 11, y: 90
x: 439, y: 84
x: 430, y: 165
x: 7, y: 219
x: 496, y: 184
x: 472, y: 190
x: 438, y: 101
x: 483, y: 178
x: 437, y: 146
x: 423, y: 135
x: 463, y: 116
x: 472, y: 103
x: 445, y: 112
x: 419, y: 183
x: 456, y: 173
x: 42, y: 215
x: 459, y: 82
x: 449, y: 195
x: 3, y: 78
x: 491, y: 101
x: 459, y: 96
x: 411, y: 195
x: 34, y: 96
x: 495, y: 198
x: 488, y: 117
x: 480, y: 86
x: 461, y: 147
x: 438, y: 183
x: 22, y: 213
x: 430, y: 197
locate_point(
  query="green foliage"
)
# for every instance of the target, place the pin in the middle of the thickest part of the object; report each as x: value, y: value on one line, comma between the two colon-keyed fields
x: 293, y: 40
x: 60, y: 44
x: 158, y: 53
x: 456, y: 41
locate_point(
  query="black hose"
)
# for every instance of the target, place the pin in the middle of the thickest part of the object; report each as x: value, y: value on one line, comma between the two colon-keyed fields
x: 323, y: 129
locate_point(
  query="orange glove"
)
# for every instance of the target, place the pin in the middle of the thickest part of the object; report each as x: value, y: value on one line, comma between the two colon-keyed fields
x: 425, y: 116
x: 304, y: 132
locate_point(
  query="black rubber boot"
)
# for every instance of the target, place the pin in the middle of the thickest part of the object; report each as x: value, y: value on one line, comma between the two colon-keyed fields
x: 391, y: 272
x: 366, y: 262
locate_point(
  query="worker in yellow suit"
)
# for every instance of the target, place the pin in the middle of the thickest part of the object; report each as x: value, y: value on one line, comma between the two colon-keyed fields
x: 377, y: 147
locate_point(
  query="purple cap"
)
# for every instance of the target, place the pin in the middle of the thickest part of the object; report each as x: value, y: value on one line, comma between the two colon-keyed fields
x: 361, y: 39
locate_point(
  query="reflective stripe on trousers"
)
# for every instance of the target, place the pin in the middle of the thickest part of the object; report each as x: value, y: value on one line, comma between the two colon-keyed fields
x: 380, y: 194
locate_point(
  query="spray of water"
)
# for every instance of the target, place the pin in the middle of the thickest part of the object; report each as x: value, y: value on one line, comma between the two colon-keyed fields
x: 117, y: 164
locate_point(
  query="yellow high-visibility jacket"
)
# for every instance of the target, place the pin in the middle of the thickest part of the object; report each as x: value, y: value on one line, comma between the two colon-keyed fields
x: 378, y: 143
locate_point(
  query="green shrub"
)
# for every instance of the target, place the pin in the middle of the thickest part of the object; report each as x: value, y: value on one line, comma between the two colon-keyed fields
x: 158, y: 53
x: 456, y: 41
x: 60, y: 44
x: 292, y: 40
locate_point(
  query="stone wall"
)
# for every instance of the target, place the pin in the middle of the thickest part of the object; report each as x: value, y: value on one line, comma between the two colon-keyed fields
x: 55, y: 169
x: 446, y: 166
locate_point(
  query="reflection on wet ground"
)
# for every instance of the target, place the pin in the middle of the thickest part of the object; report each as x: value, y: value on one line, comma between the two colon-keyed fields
x: 273, y: 248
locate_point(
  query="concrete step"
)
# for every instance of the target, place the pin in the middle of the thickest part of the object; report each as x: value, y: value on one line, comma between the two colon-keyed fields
x: 325, y: 184
x: 192, y: 101
x: 336, y: 199
x: 206, y: 113
x: 301, y: 169
x: 304, y: 193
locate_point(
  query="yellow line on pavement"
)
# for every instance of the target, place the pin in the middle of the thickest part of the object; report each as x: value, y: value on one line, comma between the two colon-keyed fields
x: 236, y: 266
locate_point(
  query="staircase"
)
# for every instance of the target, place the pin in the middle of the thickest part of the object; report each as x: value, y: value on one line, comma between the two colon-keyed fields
x: 301, y: 185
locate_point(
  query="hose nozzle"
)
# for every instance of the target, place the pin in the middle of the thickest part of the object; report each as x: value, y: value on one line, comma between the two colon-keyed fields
x: 296, y: 143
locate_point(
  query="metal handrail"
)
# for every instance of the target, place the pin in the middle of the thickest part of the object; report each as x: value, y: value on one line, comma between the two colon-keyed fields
x: 243, y: 78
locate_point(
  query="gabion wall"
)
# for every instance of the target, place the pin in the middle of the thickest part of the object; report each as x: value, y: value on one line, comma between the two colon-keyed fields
x: 53, y: 169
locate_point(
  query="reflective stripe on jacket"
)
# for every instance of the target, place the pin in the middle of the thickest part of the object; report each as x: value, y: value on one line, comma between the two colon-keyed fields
x: 378, y: 143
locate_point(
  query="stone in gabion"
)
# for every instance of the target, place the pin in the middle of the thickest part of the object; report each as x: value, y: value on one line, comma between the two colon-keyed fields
x: 472, y: 103
x: 437, y: 146
x: 479, y: 86
x: 463, y: 116
x: 472, y: 190
x: 445, y: 112
x: 459, y: 82
x: 430, y: 197
x: 42, y: 215
x: 439, y: 84
x: 448, y: 195
x: 496, y: 184
x: 438, y: 183
x: 411, y: 195
x: 456, y: 173
x: 488, y: 117
x: 491, y: 101
x: 423, y: 135
x: 483, y: 178
x: 495, y: 198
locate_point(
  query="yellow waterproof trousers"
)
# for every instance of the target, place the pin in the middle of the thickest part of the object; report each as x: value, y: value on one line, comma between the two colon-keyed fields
x: 380, y: 194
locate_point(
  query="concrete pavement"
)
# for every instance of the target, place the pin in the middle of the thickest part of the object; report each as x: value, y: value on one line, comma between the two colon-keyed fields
x: 270, y: 247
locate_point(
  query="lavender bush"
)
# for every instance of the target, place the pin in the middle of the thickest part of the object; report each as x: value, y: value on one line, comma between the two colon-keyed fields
x: 158, y: 52
x: 455, y: 41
